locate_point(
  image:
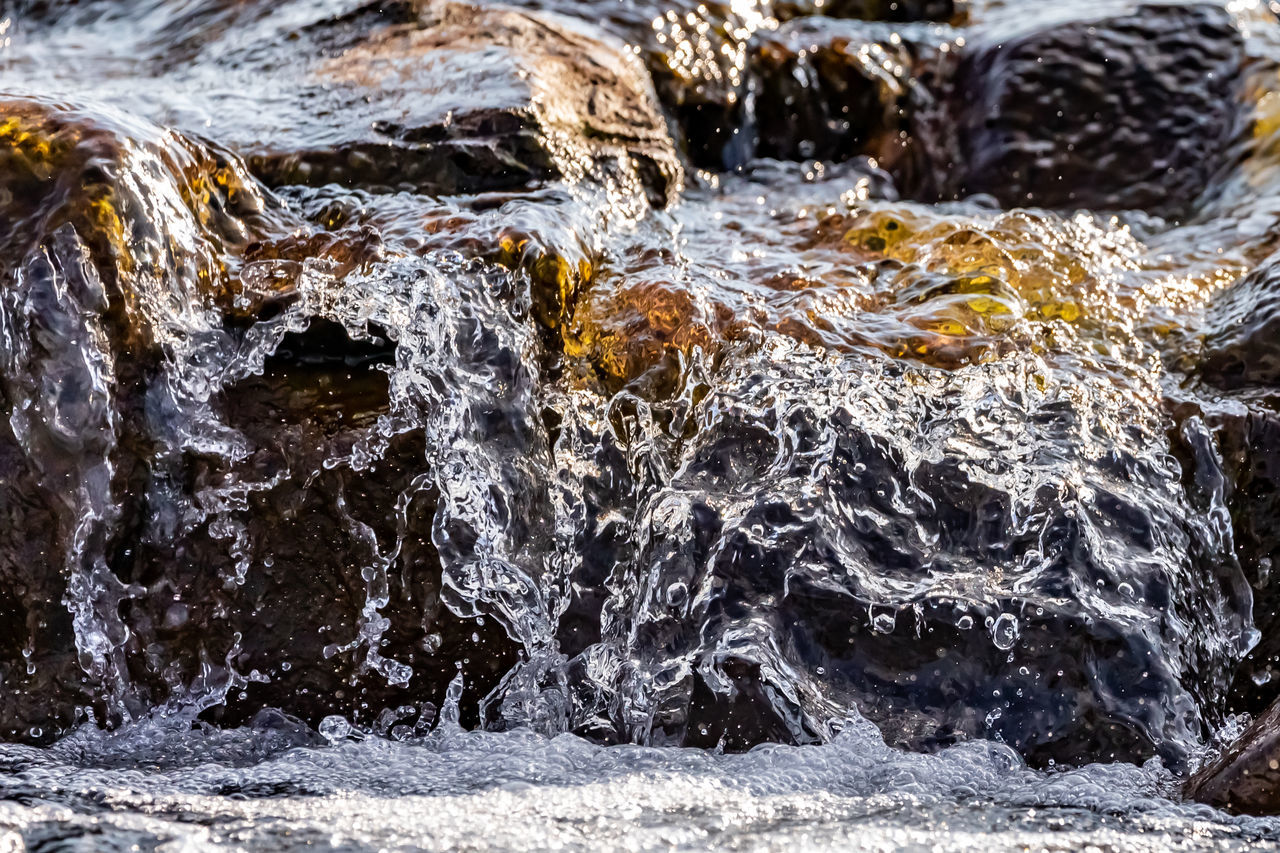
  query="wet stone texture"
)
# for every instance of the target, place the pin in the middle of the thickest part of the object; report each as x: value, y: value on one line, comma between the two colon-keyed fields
x: 831, y: 90
x: 448, y: 98
x: 1130, y: 111
x: 1241, y: 377
x: 359, y: 359
x: 816, y: 550
x: 108, y: 240
x: 1245, y: 777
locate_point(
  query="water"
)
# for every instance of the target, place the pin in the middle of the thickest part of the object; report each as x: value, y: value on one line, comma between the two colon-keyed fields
x: 441, y: 425
x: 245, y: 790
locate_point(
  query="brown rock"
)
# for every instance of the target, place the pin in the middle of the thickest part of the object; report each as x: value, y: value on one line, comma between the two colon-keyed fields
x: 1246, y: 778
x: 449, y: 98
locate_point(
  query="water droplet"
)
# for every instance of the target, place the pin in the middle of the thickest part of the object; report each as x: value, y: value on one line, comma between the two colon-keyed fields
x: 1004, y: 633
x: 335, y: 728
x: 883, y: 623
x: 677, y: 594
x: 965, y: 622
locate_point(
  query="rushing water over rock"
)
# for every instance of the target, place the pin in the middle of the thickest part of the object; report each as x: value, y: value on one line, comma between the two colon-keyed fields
x: 380, y: 371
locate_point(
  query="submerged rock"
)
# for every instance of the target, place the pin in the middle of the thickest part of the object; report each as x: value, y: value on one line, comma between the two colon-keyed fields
x: 218, y: 508
x: 110, y: 236
x: 951, y: 506
x: 1130, y: 110
x: 820, y: 549
x: 1242, y: 349
x: 435, y: 97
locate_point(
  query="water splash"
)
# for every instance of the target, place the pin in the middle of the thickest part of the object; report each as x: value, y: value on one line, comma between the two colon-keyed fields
x: 600, y: 452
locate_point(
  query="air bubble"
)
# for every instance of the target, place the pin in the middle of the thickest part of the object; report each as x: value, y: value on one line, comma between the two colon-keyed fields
x: 1004, y: 632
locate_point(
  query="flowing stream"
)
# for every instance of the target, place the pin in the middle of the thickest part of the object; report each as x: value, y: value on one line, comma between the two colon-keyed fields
x: 643, y: 425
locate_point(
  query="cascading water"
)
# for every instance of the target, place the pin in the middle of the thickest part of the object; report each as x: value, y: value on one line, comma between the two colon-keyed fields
x: 448, y: 406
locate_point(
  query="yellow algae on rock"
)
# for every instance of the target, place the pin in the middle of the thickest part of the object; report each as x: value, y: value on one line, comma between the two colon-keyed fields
x: 917, y: 283
x: 162, y: 218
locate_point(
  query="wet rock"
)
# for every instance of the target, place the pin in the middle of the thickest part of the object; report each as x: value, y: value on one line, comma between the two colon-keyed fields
x: 423, y: 96
x: 542, y: 235
x: 749, y: 462
x: 109, y: 235
x: 813, y: 556
x: 699, y: 55
x: 1138, y: 110
x: 865, y: 435
x: 1128, y: 111
x: 914, y: 284
x: 696, y: 53
x: 951, y: 11
x: 273, y: 585
x: 1243, y: 345
x: 201, y: 457
x: 1246, y: 778
x: 831, y: 90
x: 448, y: 98
x: 1241, y: 405
x: 1247, y: 432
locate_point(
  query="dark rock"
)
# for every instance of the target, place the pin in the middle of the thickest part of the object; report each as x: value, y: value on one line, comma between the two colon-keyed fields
x: 1129, y: 111
x: 699, y: 55
x: 831, y: 90
x: 199, y: 491
x: 437, y: 97
x: 276, y: 582
x: 951, y: 11
x: 696, y: 53
x: 1248, y: 433
x: 107, y: 226
x: 1243, y: 346
x: 1139, y: 110
x: 1241, y: 405
x: 816, y: 552
x: 1246, y: 778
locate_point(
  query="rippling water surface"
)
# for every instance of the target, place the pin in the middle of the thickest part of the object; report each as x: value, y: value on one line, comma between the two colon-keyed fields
x: 569, y: 424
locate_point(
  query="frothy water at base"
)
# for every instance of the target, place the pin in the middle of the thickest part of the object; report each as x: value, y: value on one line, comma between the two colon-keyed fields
x: 152, y: 787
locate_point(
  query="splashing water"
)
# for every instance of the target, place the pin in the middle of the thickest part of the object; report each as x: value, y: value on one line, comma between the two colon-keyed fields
x: 372, y: 455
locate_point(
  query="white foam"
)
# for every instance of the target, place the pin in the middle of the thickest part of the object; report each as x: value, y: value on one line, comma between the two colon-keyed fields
x: 520, y: 791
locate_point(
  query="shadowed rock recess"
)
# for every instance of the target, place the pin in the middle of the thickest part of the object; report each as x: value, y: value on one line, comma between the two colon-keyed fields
x: 672, y: 373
